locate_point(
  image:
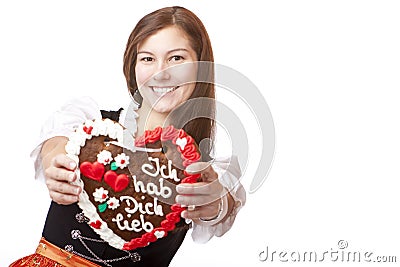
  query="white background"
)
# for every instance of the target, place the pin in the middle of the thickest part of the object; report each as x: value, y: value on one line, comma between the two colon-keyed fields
x: 329, y: 70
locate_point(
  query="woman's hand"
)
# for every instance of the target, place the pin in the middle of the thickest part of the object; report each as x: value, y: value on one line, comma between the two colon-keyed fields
x: 59, y: 175
x: 203, y: 199
x: 59, y: 171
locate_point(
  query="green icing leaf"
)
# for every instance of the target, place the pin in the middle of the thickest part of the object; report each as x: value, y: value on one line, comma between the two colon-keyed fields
x: 102, y: 207
x: 114, y: 166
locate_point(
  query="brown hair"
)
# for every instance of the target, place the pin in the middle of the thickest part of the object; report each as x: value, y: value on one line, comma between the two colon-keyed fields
x: 199, y: 128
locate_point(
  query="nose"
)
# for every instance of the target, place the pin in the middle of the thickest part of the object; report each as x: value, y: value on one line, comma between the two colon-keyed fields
x: 162, y: 73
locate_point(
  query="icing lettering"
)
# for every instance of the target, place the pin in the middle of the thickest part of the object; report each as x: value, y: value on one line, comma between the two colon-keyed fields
x: 135, y: 225
x: 151, y: 188
x: 156, y: 208
x: 133, y: 206
x: 171, y: 173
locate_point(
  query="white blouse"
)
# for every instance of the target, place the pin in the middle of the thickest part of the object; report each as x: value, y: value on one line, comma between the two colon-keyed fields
x: 76, y: 111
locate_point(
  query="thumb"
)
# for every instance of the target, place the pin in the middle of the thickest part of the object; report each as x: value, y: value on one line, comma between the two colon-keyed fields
x: 205, y: 169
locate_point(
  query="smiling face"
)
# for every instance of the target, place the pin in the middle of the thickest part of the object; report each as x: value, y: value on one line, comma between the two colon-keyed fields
x: 166, y: 69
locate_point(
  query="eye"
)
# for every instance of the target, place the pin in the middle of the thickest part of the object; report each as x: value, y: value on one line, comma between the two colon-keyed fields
x: 176, y: 58
x: 146, y: 59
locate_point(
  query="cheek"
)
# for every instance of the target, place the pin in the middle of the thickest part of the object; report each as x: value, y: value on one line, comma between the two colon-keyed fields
x: 142, y: 75
x: 185, y: 73
x: 191, y: 79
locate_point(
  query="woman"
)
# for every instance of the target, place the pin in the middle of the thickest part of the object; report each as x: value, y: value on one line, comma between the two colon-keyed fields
x: 161, y: 66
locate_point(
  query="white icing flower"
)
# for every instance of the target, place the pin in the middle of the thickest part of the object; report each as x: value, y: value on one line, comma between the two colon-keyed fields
x: 113, y: 203
x: 104, y: 157
x: 121, y: 160
x: 100, y: 194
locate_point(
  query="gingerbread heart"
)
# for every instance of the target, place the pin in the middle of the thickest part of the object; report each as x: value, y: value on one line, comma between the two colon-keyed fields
x: 129, y: 194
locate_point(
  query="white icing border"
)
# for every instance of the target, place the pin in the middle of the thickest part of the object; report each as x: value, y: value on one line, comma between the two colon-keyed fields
x: 105, y: 127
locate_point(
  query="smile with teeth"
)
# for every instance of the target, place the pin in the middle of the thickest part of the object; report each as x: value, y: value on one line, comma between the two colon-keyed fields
x: 164, y: 90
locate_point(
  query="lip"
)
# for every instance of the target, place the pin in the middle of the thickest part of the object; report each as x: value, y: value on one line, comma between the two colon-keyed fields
x: 162, y: 90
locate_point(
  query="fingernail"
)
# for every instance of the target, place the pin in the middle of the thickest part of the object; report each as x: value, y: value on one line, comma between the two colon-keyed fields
x: 179, y: 188
x: 78, y: 190
x: 72, y: 165
x: 189, y: 169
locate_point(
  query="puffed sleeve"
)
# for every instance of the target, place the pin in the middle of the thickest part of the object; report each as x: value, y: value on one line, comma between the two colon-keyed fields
x: 229, y: 174
x: 62, y: 123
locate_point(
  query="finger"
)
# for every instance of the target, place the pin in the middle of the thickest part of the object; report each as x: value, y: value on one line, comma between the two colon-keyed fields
x: 197, y: 167
x: 62, y: 160
x: 63, y: 187
x: 63, y: 199
x: 197, y: 200
x: 60, y: 174
x: 205, y: 168
x: 200, y: 188
x: 204, y: 212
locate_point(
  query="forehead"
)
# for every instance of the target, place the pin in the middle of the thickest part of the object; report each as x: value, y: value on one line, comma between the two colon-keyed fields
x: 166, y: 39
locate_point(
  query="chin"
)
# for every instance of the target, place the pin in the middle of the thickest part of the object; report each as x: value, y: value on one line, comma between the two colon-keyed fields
x: 164, y: 106
x: 160, y: 108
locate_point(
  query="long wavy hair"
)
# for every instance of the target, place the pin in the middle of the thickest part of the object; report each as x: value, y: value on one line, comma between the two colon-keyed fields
x: 201, y: 128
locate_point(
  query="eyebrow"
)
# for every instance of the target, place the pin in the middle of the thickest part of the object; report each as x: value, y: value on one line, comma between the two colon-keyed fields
x: 169, y: 52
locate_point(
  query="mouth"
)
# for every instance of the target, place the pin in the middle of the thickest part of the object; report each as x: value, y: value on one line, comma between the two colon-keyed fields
x: 163, y: 90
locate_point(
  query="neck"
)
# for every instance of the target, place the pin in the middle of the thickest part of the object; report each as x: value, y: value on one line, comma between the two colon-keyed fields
x: 149, y: 118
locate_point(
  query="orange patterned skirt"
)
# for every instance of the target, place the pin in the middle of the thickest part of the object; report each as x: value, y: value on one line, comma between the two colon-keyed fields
x: 49, y: 255
x: 35, y: 260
